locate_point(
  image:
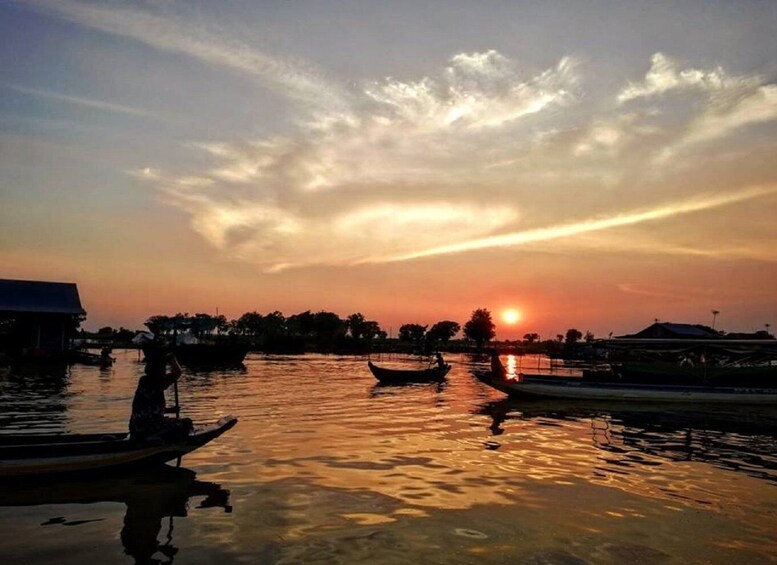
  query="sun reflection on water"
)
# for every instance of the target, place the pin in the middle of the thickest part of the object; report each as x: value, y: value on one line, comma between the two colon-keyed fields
x: 512, y: 367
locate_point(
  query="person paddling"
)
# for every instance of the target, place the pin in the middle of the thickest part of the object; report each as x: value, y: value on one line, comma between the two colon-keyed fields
x: 148, y: 406
x: 498, y: 370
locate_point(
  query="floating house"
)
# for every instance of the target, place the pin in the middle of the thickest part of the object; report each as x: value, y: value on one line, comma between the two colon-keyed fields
x: 38, y: 318
x: 669, y: 330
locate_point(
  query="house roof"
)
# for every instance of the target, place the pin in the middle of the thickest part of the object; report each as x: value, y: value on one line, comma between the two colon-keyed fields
x: 39, y: 297
x: 689, y: 330
x: 669, y: 329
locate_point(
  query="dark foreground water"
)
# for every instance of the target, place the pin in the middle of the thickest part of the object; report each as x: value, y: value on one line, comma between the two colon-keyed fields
x: 326, y: 467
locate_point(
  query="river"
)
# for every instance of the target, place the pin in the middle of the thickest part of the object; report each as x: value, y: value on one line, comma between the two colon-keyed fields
x: 325, y: 466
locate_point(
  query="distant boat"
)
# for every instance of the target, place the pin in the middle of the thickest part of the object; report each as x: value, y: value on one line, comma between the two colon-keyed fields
x: 104, y: 360
x: 392, y: 376
x: 653, y: 386
x: 32, y: 454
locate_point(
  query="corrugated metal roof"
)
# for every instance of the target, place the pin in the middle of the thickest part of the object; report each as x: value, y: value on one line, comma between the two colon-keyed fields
x: 39, y: 297
x: 686, y: 329
x: 662, y: 330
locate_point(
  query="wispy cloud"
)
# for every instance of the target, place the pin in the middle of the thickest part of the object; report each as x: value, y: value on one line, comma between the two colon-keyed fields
x: 483, y: 154
x: 166, y: 30
x: 727, y: 102
x: 394, y: 175
x: 688, y: 292
x: 81, y: 101
x: 476, y: 90
x: 597, y: 224
x: 656, y: 291
x: 664, y: 76
x: 643, y: 244
x: 737, y: 108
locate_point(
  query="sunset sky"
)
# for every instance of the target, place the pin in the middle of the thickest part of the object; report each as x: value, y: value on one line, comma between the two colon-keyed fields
x: 594, y: 165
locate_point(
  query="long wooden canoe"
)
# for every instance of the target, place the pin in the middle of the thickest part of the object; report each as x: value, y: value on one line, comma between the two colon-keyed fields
x: 548, y: 386
x: 608, y: 385
x: 603, y: 386
x: 391, y: 376
x: 46, y: 454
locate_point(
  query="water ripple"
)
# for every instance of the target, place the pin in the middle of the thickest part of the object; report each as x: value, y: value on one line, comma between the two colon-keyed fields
x: 329, y: 451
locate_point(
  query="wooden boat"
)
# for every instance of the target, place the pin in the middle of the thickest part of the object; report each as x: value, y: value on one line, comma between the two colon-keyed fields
x: 44, y: 454
x: 392, y: 376
x: 605, y: 385
x: 85, y: 358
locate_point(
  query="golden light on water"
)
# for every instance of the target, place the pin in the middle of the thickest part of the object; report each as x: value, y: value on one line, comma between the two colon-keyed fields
x: 512, y: 366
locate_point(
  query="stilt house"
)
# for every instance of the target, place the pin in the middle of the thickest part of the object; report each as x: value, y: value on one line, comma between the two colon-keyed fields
x: 38, y: 318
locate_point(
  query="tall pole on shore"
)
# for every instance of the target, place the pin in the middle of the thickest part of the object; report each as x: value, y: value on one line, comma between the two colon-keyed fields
x: 714, y: 317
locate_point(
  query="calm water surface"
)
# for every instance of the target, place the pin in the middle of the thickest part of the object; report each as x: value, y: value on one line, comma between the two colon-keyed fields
x: 327, y: 467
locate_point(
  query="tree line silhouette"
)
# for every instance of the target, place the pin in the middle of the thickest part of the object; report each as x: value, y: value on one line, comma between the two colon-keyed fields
x: 325, y: 331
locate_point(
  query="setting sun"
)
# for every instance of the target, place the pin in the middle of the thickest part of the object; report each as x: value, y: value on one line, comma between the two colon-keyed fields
x: 511, y: 316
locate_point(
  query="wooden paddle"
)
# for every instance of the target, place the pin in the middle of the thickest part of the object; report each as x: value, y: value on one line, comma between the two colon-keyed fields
x: 178, y: 416
x: 176, y: 367
x: 177, y: 406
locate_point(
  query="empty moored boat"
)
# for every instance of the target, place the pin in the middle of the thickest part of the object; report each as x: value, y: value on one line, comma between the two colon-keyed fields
x: 397, y: 376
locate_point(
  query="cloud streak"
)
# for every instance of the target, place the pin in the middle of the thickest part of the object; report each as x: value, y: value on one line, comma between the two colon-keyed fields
x: 172, y: 33
x: 592, y: 225
x: 80, y: 101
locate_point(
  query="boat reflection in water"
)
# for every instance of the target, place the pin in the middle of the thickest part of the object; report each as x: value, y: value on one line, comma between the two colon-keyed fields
x: 150, y: 495
x: 386, y: 388
x: 734, y: 440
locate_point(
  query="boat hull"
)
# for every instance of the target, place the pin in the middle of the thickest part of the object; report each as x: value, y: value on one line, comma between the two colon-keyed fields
x: 401, y: 376
x: 577, y: 388
x: 35, y: 455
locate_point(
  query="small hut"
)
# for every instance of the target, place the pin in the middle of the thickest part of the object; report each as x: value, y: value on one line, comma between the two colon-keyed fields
x: 38, y: 318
